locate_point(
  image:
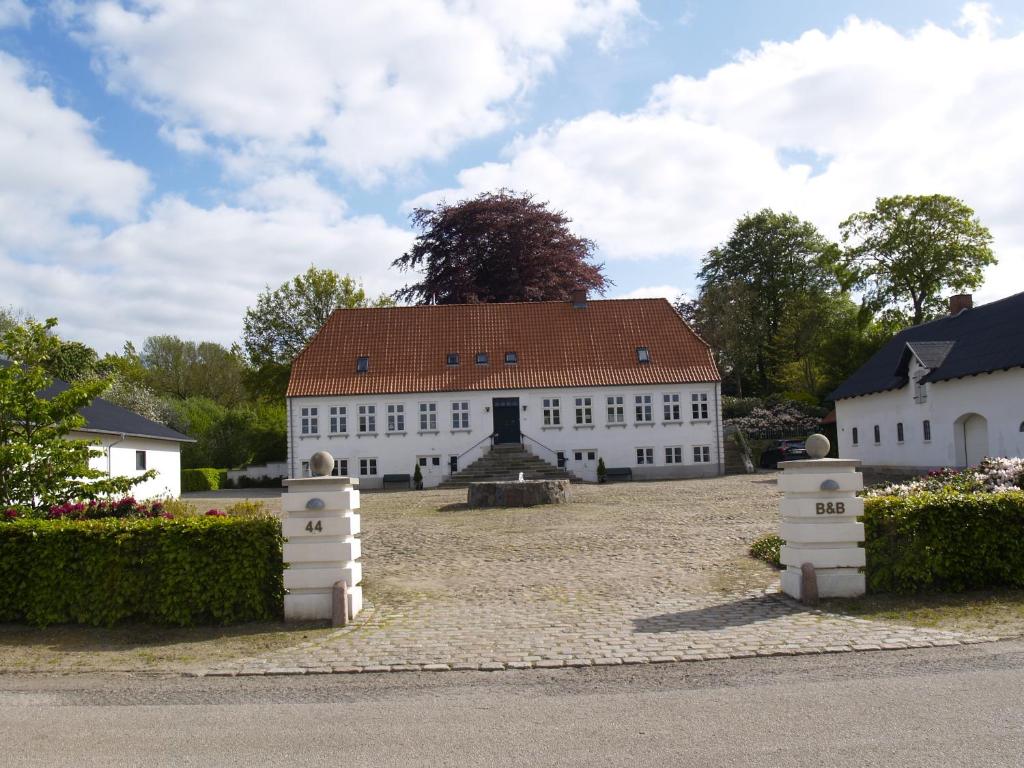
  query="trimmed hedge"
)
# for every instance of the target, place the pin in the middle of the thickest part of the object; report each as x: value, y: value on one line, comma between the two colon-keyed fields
x: 203, y: 479
x: 944, y: 541
x: 196, y: 570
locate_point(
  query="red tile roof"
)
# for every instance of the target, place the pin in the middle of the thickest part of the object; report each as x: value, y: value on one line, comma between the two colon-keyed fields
x: 558, y: 345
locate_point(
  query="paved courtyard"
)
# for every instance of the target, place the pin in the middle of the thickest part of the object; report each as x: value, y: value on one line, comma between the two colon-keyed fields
x: 627, y: 573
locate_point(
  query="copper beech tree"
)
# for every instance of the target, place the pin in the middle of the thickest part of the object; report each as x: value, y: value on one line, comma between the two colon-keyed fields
x: 497, y: 247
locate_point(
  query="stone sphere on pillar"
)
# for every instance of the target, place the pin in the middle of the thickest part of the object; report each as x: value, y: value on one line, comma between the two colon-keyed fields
x: 321, y: 464
x: 817, y: 446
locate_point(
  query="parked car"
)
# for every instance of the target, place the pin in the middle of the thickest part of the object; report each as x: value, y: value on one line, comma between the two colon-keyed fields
x: 782, y: 450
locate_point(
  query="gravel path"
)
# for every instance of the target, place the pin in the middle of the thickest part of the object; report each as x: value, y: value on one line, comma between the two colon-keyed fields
x: 627, y: 573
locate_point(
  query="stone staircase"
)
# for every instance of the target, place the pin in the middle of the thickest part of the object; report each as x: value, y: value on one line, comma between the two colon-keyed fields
x: 505, y: 462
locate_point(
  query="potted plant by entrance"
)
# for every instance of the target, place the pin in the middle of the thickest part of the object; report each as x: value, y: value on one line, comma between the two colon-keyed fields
x: 417, y: 478
x: 601, y: 471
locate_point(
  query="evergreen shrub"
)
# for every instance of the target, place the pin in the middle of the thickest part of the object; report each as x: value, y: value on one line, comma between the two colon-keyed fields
x: 208, y: 569
x: 203, y: 479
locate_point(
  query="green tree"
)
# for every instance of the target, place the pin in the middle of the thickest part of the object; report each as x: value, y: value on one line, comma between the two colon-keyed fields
x: 498, y: 246
x: 772, y: 264
x: 185, y: 369
x: 39, y: 465
x: 908, y: 249
x: 286, y: 318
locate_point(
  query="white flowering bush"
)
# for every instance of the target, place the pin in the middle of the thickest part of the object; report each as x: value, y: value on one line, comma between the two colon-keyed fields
x: 782, y: 417
x: 990, y: 476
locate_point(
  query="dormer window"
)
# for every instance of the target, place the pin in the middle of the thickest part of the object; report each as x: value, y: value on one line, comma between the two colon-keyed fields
x: 453, y: 358
x: 481, y: 358
x: 511, y: 357
x: 362, y: 364
x: 643, y: 355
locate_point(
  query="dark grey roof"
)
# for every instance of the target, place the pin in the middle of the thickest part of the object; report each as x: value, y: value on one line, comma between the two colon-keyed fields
x: 979, y: 340
x: 103, y: 416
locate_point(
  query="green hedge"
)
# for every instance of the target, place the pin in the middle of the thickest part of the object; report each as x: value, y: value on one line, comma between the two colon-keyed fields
x: 203, y: 479
x: 197, y: 570
x: 944, y: 541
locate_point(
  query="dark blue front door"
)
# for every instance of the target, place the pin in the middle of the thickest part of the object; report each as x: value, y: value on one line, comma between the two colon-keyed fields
x: 506, y: 419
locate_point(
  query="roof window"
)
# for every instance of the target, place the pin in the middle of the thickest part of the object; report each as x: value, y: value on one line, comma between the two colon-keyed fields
x: 453, y: 358
x: 481, y: 358
x: 643, y: 355
x: 362, y: 364
x: 511, y: 357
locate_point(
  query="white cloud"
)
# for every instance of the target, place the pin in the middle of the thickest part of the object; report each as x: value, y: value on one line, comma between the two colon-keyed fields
x: 75, y: 244
x: 367, y: 87
x: 669, y: 292
x: 14, y: 13
x: 885, y: 113
x: 52, y: 169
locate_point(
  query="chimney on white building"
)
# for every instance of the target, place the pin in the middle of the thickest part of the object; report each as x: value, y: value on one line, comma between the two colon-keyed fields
x: 959, y: 303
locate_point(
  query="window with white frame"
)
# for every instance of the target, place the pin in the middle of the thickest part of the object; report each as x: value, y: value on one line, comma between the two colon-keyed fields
x: 878, y: 435
x: 671, y: 402
x: 367, y: 418
x: 702, y: 454
x: 460, y: 415
x: 645, y: 409
x: 920, y: 387
x: 305, y: 469
x: 367, y: 467
x: 926, y: 426
x: 308, y: 425
x: 584, y: 411
x: 674, y: 454
x: 616, y: 409
x: 899, y: 432
x: 340, y: 468
x: 551, y: 412
x: 396, y: 417
x: 699, y: 406
x: 644, y: 455
x: 854, y: 436
x: 428, y: 417
x: 140, y: 461
x: 339, y: 419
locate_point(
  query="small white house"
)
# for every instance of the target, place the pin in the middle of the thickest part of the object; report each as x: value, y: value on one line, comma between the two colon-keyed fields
x: 131, y: 445
x: 942, y: 394
x: 626, y: 381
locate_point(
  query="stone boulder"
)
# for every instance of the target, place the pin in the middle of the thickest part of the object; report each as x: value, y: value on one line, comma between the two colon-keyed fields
x: 511, y: 493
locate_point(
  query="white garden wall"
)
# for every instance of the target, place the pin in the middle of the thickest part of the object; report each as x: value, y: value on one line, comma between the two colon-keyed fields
x: 996, y: 397
x: 397, y: 451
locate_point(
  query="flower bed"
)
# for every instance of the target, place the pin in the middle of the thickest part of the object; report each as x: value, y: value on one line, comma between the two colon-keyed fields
x: 990, y: 476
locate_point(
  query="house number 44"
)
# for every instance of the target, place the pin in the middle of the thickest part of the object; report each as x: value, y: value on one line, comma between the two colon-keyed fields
x: 830, y: 508
x: 319, y: 526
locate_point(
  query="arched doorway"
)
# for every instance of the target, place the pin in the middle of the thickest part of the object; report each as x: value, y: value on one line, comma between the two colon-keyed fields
x: 971, y: 435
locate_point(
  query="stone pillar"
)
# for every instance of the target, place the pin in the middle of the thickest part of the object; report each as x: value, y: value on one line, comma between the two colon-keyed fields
x: 819, y: 522
x: 320, y: 526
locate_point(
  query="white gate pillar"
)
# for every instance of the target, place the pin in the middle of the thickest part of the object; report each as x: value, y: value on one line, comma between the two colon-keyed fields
x: 819, y: 522
x: 320, y: 525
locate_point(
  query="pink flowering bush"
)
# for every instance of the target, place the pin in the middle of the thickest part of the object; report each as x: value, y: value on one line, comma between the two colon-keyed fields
x: 992, y: 475
x: 94, y: 509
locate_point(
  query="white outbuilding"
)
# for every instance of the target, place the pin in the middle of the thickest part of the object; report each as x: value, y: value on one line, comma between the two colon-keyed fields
x: 946, y: 393
x: 563, y: 383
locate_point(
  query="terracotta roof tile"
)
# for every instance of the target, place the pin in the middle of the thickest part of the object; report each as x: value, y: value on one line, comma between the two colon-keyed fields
x: 557, y: 345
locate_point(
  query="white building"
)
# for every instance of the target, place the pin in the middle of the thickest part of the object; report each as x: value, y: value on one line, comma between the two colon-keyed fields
x: 626, y: 381
x: 942, y: 394
x: 131, y: 445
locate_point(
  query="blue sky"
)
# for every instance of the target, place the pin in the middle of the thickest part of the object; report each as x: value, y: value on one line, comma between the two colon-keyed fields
x: 161, y: 162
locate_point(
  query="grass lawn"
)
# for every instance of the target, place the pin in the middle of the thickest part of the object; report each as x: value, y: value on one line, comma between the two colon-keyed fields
x: 989, y: 612
x: 141, y: 648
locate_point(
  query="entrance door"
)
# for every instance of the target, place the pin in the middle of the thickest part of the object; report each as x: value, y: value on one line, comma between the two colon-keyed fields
x: 506, y: 419
x: 430, y: 468
x: 975, y: 439
x: 584, y: 464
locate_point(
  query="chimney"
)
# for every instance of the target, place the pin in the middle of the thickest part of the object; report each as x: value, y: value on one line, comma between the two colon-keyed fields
x: 959, y: 303
x: 579, y: 298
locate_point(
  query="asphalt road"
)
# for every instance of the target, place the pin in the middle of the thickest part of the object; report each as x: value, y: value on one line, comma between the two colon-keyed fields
x: 960, y: 706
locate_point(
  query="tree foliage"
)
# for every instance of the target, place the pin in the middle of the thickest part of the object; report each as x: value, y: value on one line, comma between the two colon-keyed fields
x: 194, y: 369
x: 39, y: 466
x: 498, y: 246
x: 908, y: 249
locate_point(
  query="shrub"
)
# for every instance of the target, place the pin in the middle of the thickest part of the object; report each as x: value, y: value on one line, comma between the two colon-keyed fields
x: 990, y: 476
x: 781, y: 418
x: 248, y: 508
x: 194, y: 570
x: 946, y: 540
x: 767, y: 548
x: 203, y: 479
x: 264, y: 481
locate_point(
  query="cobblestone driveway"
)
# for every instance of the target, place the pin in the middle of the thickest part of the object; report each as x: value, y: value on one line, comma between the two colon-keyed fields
x: 630, y: 573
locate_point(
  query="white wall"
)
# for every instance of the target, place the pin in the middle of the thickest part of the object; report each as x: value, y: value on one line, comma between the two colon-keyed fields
x: 398, y: 453
x: 999, y: 397
x: 259, y: 471
x: 118, y: 460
